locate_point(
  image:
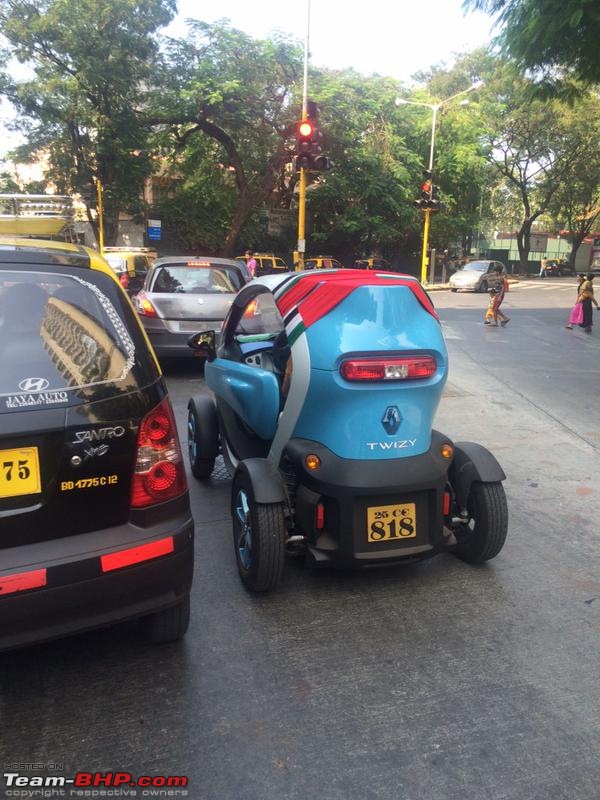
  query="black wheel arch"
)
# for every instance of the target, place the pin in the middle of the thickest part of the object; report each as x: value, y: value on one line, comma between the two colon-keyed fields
x: 267, y: 485
x: 472, y: 462
x: 204, y: 407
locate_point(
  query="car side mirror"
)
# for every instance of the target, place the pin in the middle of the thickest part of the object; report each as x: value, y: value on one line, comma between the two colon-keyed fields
x: 204, y: 343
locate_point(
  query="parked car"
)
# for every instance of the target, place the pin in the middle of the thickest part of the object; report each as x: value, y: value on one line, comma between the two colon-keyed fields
x: 322, y: 262
x: 130, y: 265
x: 558, y: 268
x: 95, y: 518
x: 182, y: 295
x: 476, y: 276
x: 325, y: 388
x: 373, y: 262
x: 266, y: 264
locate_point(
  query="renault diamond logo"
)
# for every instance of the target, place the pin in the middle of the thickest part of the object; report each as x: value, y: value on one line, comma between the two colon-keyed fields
x: 34, y: 384
x: 391, y: 420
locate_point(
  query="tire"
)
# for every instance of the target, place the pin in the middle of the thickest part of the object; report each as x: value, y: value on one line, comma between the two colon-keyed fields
x: 484, y: 287
x: 258, y: 538
x: 202, y: 422
x: 168, y: 625
x: 487, y: 507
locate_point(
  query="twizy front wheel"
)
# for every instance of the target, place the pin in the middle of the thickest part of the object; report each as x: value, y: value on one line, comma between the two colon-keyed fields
x: 485, y: 536
x: 258, y: 538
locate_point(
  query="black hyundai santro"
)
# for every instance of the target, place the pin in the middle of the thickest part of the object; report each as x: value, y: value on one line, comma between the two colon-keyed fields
x: 95, y: 522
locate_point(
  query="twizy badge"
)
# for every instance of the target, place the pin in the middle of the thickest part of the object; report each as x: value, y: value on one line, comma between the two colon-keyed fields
x: 397, y: 444
x: 391, y: 420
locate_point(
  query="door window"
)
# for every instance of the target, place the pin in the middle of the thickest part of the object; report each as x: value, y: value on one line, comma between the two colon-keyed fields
x: 261, y: 316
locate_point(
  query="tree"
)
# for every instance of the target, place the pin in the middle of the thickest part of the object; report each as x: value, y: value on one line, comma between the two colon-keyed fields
x: 549, y: 36
x: 93, y: 64
x: 528, y: 144
x: 363, y: 205
x: 576, y: 204
x: 242, y: 94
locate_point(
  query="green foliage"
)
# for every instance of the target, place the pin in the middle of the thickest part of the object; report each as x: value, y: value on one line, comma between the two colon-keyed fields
x: 549, y: 36
x: 92, y: 63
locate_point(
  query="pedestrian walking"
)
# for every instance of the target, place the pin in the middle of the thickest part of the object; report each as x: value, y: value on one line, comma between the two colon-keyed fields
x: 576, y: 315
x: 251, y: 263
x: 499, y: 290
x: 543, y: 267
x: 489, y: 314
x: 582, y: 313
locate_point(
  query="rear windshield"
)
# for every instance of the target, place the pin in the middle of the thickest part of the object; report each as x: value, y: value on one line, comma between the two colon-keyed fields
x: 206, y: 279
x: 66, y: 339
x: 477, y: 266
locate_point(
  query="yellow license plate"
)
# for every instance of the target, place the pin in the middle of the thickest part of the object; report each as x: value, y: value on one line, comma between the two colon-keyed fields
x: 391, y: 523
x: 19, y: 472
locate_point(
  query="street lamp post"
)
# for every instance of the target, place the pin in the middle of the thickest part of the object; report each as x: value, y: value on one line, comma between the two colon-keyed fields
x: 435, y: 108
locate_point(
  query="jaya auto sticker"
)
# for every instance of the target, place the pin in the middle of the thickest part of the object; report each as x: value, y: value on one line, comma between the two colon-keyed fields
x: 33, y: 400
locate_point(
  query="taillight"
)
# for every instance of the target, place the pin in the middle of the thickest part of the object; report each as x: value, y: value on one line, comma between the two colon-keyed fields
x: 388, y: 369
x: 144, y: 307
x: 159, y: 473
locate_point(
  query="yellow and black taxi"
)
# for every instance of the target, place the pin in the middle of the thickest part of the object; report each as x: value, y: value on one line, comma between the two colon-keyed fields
x: 130, y: 264
x: 266, y: 264
x: 95, y: 519
x: 322, y: 262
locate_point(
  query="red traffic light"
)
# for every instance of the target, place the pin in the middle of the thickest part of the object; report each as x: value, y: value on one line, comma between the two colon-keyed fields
x: 305, y: 129
x: 426, y: 187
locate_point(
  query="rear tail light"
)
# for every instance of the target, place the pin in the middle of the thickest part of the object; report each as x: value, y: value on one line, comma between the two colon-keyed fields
x: 159, y: 472
x: 388, y: 369
x: 144, y: 307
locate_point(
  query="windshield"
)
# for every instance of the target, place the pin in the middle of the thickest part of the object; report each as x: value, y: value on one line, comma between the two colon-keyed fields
x: 208, y: 279
x: 477, y: 266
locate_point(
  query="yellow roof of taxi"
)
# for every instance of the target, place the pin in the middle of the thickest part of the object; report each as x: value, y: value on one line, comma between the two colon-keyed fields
x: 19, y: 243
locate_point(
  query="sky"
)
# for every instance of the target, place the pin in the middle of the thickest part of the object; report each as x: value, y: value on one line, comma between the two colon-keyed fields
x: 390, y: 38
x: 375, y: 36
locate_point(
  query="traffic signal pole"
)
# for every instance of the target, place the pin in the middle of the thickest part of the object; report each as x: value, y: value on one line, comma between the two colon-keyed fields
x: 302, y: 189
x: 100, y: 216
x: 434, y: 109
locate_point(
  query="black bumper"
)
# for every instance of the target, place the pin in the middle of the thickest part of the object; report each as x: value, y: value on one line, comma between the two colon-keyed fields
x: 348, y: 488
x: 79, y: 596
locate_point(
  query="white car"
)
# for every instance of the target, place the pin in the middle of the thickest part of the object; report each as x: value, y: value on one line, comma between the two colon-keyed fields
x: 476, y: 276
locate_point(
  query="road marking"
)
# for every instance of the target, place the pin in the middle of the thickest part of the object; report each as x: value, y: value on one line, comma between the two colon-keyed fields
x: 451, y: 333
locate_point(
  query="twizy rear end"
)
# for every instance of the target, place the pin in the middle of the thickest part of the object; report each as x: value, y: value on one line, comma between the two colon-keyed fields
x: 325, y: 387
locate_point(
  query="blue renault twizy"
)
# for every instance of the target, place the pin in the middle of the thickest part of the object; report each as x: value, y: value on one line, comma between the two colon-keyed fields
x: 325, y: 388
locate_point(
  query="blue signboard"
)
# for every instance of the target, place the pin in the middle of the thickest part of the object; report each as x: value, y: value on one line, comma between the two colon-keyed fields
x: 154, y: 234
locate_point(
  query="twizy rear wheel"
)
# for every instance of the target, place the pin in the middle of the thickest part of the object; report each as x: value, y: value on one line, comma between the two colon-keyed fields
x: 202, y: 436
x: 485, y: 536
x: 258, y: 538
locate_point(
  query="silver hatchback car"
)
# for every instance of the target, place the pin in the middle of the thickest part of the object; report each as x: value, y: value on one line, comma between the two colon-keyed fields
x: 476, y: 276
x: 184, y: 295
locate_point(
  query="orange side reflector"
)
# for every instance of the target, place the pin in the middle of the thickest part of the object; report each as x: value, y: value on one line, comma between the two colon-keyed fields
x: 21, y: 581
x: 145, y: 552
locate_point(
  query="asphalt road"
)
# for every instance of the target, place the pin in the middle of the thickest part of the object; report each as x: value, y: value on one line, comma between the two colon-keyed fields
x: 437, y: 681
